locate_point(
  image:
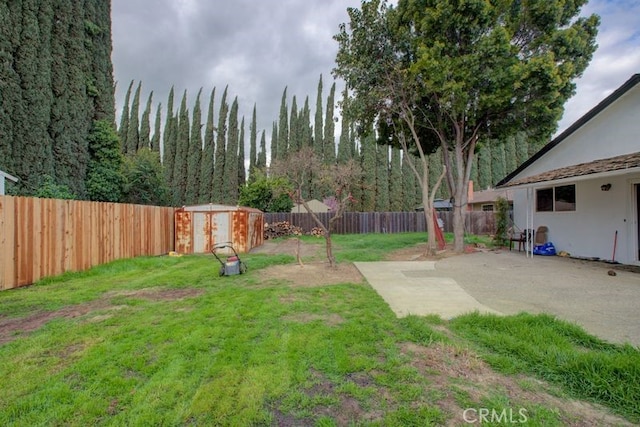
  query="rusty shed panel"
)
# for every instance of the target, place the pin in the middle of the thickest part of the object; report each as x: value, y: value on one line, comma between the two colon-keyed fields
x: 240, y: 231
x: 256, y: 229
x: 183, y: 232
x: 199, y: 228
x: 220, y: 229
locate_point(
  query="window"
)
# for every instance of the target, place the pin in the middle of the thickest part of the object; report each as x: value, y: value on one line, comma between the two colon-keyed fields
x: 487, y: 208
x: 565, y: 198
x: 556, y: 199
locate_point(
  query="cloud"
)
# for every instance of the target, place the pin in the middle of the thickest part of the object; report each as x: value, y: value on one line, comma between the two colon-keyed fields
x: 258, y: 48
x: 614, y: 62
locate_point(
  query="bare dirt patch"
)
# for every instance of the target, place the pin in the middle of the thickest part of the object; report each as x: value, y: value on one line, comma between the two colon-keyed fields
x: 313, y: 274
x: 331, y: 319
x: 449, y: 368
x: 12, y: 328
x: 418, y: 253
x: 154, y: 294
x: 290, y: 247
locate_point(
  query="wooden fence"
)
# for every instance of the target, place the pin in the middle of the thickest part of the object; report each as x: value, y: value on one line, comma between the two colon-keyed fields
x: 476, y: 222
x: 46, y: 237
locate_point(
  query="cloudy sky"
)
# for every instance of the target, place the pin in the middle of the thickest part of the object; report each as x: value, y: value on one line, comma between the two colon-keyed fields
x: 258, y: 47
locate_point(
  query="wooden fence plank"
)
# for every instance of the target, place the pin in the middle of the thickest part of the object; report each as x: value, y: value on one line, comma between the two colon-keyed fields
x: 7, y: 242
x: 46, y: 237
x: 385, y: 222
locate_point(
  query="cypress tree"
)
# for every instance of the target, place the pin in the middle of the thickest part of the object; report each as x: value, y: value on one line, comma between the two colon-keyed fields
x: 274, y: 140
x: 510, y: 155
x: 31, y: 61
x: 10, y: 95
x: 355, y: 152
x: 242, y: 174
x: 169, y: 142
x: 62, y: 134
x: 368, y: 185
x: 145, y: 125
x: 318, y: 138
x: 219, y: 178
x: 283, y: 130
x: 155, y: 140
x: 294, y: 129
x: 123, y: 130
x: 329, y: 144
x: 231, y: 156
x: 99, y: 83
x: 206, y: 165
x: 408, y: 185
x: 344, y: 144
x: 306, y: 132
x: 133, y: 135
x: 474, y: 170
x: 484, y: 166
x: 522, y: 147
x: 80, y: 105
x: 261, y: 162
x: 395, y: 181
x: 194, y: 155
x: 417, y: 194
x: 497, y: 162
x: 182, y: 149
x: 253, y: 148
x: 382, y: 178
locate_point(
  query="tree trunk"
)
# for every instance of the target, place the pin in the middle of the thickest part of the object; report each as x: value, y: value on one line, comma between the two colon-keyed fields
x: 460, y: 196
x: 330, y: 257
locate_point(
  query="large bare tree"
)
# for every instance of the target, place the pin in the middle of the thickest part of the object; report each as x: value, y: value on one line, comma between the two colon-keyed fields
x: 473, y: 71
x: 303, y: 168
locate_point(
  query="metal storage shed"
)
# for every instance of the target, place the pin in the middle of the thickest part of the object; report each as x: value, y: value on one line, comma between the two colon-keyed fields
x: 199, y: 228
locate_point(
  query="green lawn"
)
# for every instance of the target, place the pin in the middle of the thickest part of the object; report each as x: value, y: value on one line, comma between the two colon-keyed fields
x: 165, y: 341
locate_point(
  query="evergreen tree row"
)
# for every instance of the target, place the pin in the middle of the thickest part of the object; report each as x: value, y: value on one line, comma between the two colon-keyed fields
x: 204, y: 159
x: 56, y: 81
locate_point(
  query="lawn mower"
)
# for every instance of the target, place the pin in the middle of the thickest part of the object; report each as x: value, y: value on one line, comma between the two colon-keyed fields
x: 232, y: 264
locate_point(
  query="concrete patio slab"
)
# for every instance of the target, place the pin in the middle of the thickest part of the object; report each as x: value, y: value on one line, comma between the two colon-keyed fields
x: 508, y: 282
x: 409, y: 287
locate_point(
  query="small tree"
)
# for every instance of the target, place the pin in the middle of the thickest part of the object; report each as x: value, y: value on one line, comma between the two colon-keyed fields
x: 502, y: 222
x: 298, y: 167
x: 145, y: 179
x: 105, y: 178
x: 266, y: 193
x: 48, y: 189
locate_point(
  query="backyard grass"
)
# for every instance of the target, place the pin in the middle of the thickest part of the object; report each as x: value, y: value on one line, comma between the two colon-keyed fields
x: 165, y: 341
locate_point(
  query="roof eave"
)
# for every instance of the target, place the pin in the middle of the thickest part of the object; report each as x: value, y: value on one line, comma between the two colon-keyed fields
x: 628, y: 85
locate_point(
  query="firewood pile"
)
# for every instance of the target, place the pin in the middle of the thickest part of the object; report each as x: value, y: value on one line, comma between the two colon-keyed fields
x: 280, y: 229
x: 317, y: 232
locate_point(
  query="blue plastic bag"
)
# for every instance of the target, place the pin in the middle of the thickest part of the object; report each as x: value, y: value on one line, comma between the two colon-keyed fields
x: 544, y: 249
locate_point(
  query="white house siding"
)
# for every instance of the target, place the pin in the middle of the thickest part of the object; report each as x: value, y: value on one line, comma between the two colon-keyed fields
x: 589, y: 231
x: 612, y: 132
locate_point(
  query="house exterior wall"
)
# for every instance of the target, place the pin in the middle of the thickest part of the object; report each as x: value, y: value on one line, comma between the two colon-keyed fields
x: 590, y: 230
x: 613, y: 132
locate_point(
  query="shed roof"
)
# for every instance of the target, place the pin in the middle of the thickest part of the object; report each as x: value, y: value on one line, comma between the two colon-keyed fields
x: 10, y: 177
x: 612, y: 165
x: 213, y: 207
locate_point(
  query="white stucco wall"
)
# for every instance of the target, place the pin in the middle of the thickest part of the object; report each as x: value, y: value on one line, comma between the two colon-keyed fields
x: 589, y: 230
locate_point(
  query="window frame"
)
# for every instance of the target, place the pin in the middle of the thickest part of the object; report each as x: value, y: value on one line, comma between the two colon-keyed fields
x: 551, y: 199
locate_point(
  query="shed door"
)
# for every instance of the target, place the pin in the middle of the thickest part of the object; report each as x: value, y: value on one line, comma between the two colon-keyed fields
x: 220, y: 229
x: 200, y: 231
